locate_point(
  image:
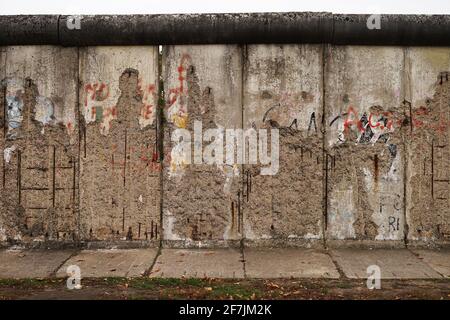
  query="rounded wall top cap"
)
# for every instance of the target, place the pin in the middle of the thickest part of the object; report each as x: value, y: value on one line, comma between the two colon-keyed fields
x: 235, y: 28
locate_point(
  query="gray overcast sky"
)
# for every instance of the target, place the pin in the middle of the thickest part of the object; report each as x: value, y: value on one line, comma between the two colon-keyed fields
x: 204, y: 6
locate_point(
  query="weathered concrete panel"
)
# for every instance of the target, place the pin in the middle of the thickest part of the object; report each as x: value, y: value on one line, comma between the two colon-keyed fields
x: 283, y: 91
x: 428, y: 147
x: 202, y: 86
x: 386, y: 109
x: 120, y: 172
x: 365, y: 154
x: 39, y: 144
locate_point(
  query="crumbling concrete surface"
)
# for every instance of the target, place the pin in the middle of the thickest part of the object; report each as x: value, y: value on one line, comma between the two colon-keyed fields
x: 202, y: 86
x: 364, y: 146
x: 127, y: 146
x: 120, y: 168
x: 39, y: 142
x: 428, y: 145
x: 283, y: 91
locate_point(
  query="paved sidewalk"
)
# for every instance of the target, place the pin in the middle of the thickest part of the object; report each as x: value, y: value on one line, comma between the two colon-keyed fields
x: 31, y: 264
x: 228, y: 263
x: 394, y: 264
x: 202, y: 263
x: 289, y: 263
x: 111, y: 263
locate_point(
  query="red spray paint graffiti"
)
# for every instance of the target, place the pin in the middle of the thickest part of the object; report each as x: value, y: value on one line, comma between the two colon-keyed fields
x: 420, y: 118
x: 96, y: 92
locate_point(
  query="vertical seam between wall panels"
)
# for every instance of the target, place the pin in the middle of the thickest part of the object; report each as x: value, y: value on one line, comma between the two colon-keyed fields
x: 324, y: 153
x: 5, y: 120
x: 406, y: 83
x: 5, y: 123
x: 243, y: 64
x: 160, y: 136
x: 78, y: 172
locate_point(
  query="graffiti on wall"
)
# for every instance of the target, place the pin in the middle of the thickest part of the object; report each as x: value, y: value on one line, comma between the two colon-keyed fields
x: 177, y: 97
x: 44, y: 108
x: 377, y: 122
x: 149, y: 98
x: 100, y: 104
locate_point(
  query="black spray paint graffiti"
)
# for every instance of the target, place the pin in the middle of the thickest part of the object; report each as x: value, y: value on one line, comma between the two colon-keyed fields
x: 369, y: 132
x: 394, y: 224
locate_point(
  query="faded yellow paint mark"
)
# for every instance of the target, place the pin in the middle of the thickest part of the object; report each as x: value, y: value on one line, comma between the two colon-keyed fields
x: 180, y: 121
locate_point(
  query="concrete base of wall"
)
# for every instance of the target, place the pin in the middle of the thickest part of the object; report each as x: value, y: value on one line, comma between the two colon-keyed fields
x: 180, y: 244
x: 428, y: 245
x: 364, y: 244
x: 286, y: 243
x: 60, y: 245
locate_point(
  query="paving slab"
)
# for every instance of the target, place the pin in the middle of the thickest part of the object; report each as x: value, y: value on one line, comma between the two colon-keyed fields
x: 199, y: 263
x: 439, y: 260
x: 288, y: 263
x: 394, y: 264
x: 111, y: 263
x: 19, y: 264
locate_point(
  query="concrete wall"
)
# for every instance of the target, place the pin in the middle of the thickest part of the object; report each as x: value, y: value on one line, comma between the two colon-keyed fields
x: 39, y: 139
x: 89, y: 155
x: 365, y: 162
x: 202, y: 83
x: 119, y: 168
x: 283, y: 88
